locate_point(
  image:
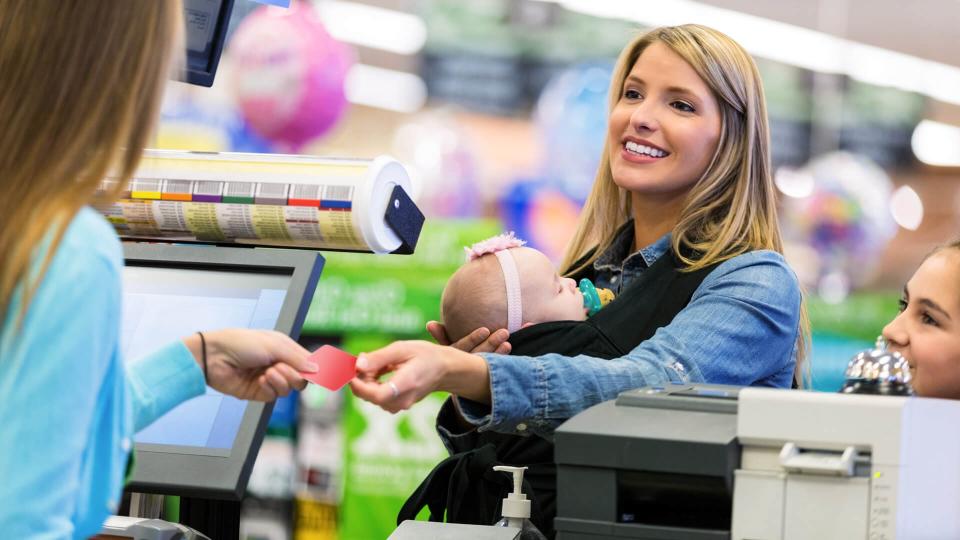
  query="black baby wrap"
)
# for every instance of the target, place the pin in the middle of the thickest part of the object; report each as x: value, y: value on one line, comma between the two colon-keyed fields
x: 464, y: 488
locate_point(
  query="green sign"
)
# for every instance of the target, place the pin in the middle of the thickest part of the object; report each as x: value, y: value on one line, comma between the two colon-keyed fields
x: 370, y: 301
x: 860, y: 316
x: 393, y: 295
x: 387, y: 456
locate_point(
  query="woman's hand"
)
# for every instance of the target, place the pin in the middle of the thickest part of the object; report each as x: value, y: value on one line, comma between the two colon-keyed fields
x: 260, y: 365
x: 419, y: 368
x: 480, y: 340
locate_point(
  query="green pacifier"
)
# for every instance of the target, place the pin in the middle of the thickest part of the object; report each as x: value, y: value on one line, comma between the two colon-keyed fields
x: 594, y: 298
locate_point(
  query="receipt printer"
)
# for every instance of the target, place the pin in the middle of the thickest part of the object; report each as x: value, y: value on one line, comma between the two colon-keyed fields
x: 656, y: 462
x: 835, y: 466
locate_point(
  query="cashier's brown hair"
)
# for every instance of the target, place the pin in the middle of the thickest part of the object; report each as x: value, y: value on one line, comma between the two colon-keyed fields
x: 81, y: 82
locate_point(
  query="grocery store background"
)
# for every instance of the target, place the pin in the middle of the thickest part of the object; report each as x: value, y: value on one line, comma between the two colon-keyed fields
x: 497, y: 107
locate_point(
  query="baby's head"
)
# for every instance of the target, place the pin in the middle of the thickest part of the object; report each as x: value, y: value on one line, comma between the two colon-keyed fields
x: 500, y: 275
x: 927, y: 330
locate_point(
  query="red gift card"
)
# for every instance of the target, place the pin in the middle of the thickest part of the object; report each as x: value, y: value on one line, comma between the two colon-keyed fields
x: 336, y: 367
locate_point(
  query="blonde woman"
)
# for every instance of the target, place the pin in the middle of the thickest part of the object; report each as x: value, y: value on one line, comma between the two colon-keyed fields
x: 80, y: 88
x: 685, y: 181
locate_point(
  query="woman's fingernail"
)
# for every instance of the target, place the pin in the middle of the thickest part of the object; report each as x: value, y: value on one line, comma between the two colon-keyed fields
x: 311, y: 367
x: 362, y: 361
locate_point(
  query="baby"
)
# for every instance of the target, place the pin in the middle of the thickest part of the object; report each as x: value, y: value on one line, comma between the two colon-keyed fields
x: 927, y: 330
x: 506, y: 285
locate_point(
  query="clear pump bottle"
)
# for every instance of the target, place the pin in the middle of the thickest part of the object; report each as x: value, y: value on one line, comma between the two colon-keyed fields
x: 516, y: 507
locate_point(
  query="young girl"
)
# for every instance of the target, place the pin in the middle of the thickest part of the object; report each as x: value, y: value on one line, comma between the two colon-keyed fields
x: 927, y: 331
x: 681, y: 223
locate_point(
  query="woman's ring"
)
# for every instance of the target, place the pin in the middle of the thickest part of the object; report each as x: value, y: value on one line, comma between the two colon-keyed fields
x: 396, y: 391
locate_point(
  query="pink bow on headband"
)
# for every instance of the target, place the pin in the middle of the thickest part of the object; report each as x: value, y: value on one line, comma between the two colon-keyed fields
x: 497, y: 243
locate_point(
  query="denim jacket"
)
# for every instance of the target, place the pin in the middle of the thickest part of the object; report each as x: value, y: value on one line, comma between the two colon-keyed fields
x: 740, y: 327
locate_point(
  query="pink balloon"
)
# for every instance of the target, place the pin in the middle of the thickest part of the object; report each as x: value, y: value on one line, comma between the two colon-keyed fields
x: 289, y: 73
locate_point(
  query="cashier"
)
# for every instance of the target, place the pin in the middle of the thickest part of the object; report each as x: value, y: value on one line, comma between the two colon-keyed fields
x: 80, y: 88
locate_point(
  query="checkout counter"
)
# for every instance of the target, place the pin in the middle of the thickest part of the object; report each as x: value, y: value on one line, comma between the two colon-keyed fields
x: 710, y: 462
x: 713, y: 462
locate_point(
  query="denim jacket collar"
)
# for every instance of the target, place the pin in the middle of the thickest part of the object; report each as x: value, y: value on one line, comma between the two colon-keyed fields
x: 617, y: 257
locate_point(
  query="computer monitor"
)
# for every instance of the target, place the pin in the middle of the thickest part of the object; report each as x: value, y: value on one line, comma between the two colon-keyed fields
x: 206, y: 29
x: 206, y: 446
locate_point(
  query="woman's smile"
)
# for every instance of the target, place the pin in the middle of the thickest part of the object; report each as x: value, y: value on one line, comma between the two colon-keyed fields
x: 641, y: 151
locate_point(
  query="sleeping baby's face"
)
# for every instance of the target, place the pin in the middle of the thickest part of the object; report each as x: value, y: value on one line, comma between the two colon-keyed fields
x: 546, y: 296
x: 476, y: 295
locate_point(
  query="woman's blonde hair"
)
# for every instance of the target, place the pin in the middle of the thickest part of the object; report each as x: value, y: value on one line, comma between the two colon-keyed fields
x: 81, y: 82
x: 732, y: 208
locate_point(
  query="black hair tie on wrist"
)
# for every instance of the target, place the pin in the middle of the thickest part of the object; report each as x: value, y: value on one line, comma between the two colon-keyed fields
x: 203, y: 356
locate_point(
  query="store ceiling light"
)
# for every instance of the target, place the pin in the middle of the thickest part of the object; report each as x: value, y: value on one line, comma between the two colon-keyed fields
x: 935, y: 143
x: 793, y: 183
x: 794, y: 45
x: 372, y: 26
x: 906, y: 208
x: 385, y: 89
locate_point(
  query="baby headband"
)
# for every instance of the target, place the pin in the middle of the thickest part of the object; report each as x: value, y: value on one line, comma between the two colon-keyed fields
x: 500, y: 245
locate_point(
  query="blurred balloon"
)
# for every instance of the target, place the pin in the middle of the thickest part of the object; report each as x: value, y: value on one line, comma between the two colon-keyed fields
x: 442, y: 165
x: 842, y: 214
x: 289, y: 73
x: 543, y: 216
x: 552, y: 221
x: 244, y: 139
x: 188, y: 125
x: 571, y: 115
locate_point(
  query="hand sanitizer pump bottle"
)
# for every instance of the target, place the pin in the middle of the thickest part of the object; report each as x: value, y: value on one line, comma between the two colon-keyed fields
x: 516, y: 507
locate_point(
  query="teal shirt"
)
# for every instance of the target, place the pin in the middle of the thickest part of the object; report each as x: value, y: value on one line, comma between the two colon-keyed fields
x: 68, y: 404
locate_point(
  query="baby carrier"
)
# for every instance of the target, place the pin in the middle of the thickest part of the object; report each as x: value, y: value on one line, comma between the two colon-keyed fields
x: 464, y: 488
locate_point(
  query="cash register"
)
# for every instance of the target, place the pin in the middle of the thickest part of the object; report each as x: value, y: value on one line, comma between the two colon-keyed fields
x: 204, y: 449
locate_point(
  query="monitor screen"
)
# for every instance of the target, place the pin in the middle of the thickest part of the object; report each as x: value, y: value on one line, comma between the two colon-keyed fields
x: 206, y: 28
x: 161, y: 305
x: 206, y: 446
